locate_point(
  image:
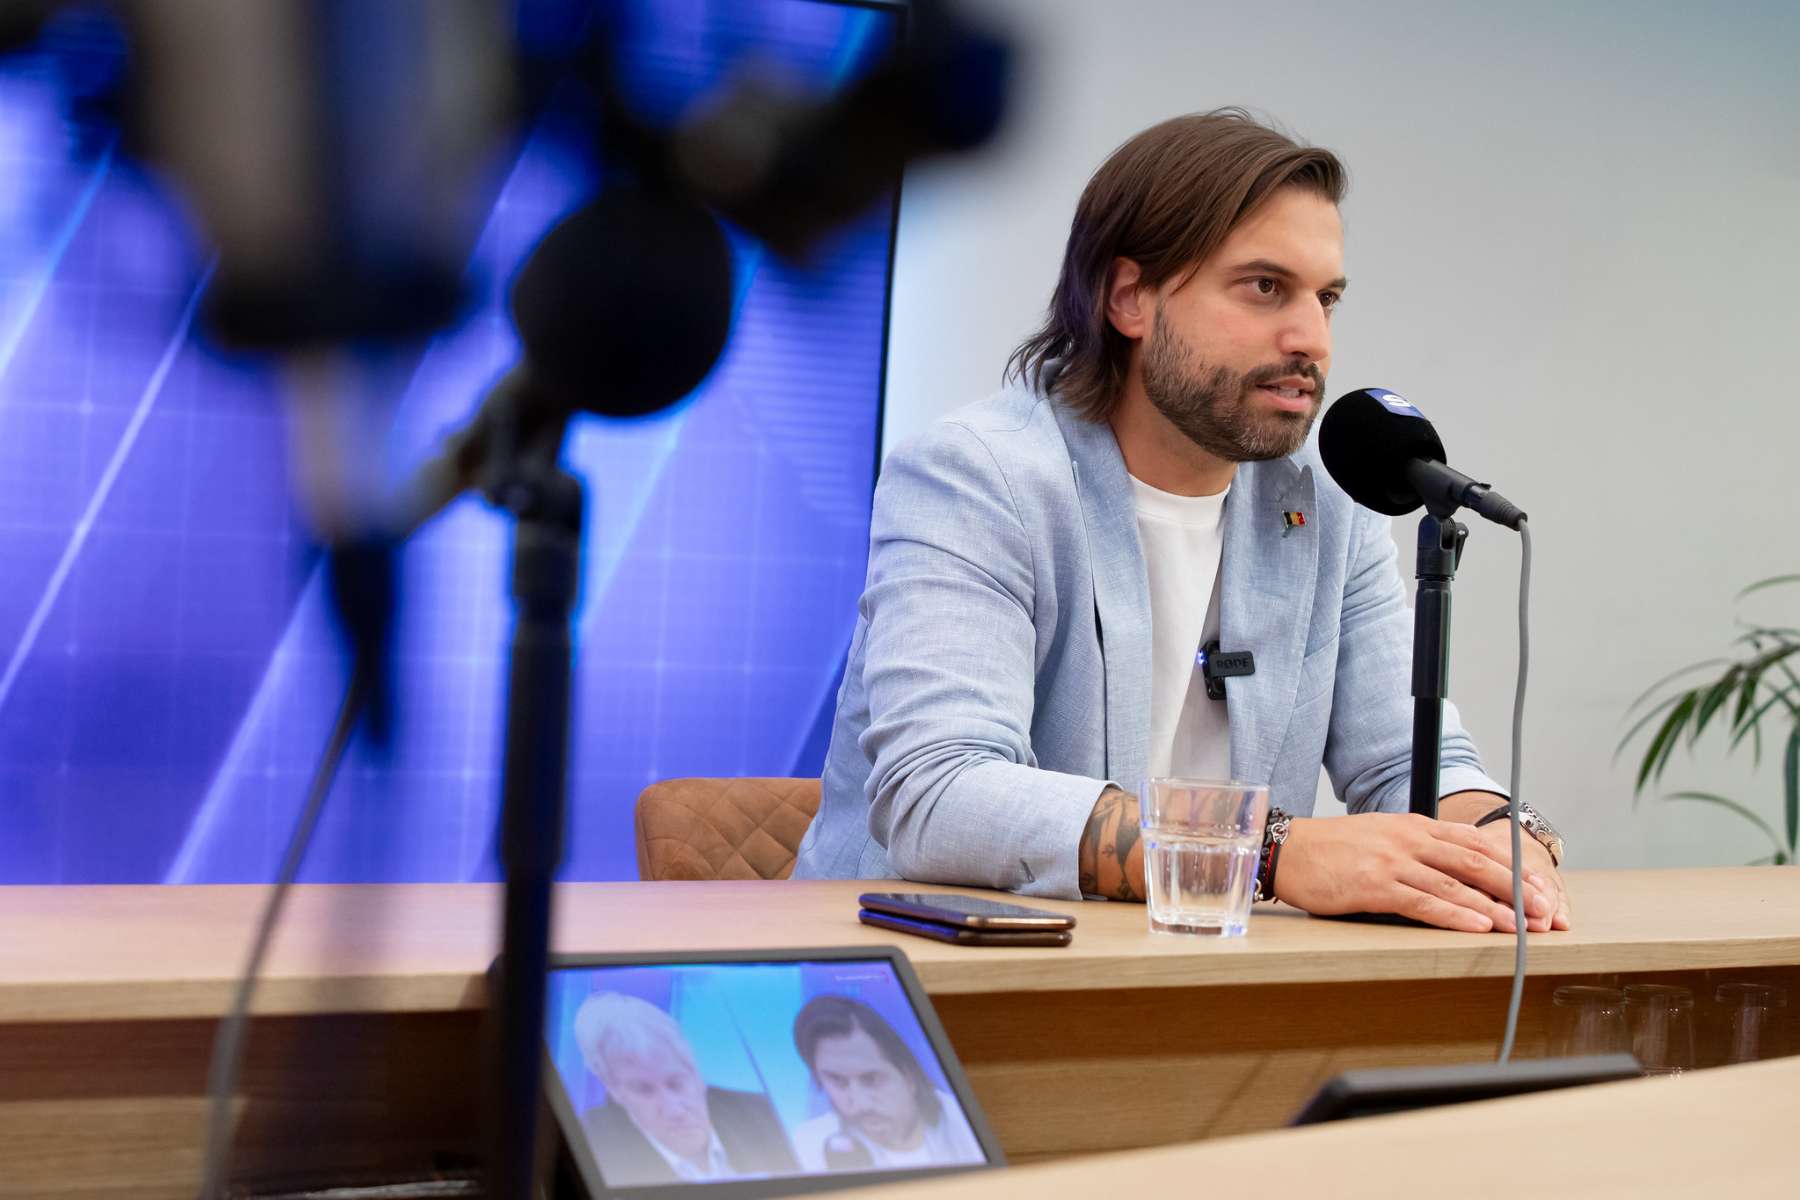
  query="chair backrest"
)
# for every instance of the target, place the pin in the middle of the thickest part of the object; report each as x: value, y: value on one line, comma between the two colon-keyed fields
x: 723, y: 828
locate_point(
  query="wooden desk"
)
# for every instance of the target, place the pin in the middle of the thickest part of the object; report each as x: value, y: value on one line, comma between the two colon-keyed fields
x: 1722, y: 1132
x: 365, y: 1050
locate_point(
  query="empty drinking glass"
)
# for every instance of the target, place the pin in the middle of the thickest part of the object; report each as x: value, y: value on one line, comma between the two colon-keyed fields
x: 1587, y: 1019
x: 1752, y: 1019
x: 1202, y: 840
x: 1660, y: 1019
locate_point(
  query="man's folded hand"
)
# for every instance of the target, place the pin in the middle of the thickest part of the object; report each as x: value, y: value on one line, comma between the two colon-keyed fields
x: 1440, y: 872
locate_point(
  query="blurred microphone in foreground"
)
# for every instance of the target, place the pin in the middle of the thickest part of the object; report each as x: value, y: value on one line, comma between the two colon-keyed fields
x: 621, y: 309
x: 331, y: 152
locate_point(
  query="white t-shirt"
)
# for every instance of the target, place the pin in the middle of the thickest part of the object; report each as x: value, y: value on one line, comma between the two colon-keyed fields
x: 1183, y: 539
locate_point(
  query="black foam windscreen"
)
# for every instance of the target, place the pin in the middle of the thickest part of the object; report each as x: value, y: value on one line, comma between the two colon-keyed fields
x: 1367, y: 439
x: 625, y: 304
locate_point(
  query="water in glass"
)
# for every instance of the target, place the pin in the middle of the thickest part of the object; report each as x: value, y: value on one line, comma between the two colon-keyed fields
x: 1200, y: 884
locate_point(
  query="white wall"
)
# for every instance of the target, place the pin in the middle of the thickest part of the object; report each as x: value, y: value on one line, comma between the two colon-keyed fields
x: 1574, y: 240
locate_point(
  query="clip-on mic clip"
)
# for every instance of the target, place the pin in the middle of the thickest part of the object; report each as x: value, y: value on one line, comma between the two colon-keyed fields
x: 1216, y: 666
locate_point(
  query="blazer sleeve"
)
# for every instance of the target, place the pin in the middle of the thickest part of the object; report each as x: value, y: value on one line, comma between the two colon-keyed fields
x: 955, y: 794
x: 1368, y: 749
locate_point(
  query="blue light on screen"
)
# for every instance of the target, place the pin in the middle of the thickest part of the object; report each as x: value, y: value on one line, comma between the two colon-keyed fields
x: 168, y: 667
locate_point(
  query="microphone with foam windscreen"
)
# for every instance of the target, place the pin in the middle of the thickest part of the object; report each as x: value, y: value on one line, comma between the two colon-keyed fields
x: 622, y: 309
x: 1385, y: 454
x: 625, y: 305
x: 790, y: 168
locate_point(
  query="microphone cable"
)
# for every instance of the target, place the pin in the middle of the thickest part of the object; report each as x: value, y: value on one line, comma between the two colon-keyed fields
x: 228, y: 1043
x: 1518, y: 737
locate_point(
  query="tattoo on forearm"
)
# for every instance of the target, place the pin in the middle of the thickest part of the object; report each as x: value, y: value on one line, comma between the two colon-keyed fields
x: 1127, y: 844
x: 1111, y: 861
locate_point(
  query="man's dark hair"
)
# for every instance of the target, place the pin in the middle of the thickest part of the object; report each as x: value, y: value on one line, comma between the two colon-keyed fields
x: 840, y: 1016
x: 1166, y: 199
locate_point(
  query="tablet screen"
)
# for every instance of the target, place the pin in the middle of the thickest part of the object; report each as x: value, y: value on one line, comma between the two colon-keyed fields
x: 711, y: 1072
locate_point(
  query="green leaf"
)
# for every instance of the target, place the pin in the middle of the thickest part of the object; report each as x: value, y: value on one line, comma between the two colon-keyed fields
x: 1671, y: 678
x: 1792, y: 776
x: 1746, y: 697
x: 1723, y: 802
x: 1769, y: 639
x: 1667, y: 703
x: 1760, y: 584
x: 1710, y: 703
x: 1779, y: 648
x: 1769, y: 633
x: 1793, y: 680
x: 1663, y: 744
x: 1749, y: 724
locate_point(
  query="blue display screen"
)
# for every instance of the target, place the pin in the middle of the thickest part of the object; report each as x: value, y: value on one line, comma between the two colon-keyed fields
x: 169, y: 668
x: 698, y: 1073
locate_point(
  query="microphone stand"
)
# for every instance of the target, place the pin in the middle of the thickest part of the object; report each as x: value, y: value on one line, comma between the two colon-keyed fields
x: 524, y: 475
x: 1441, y: 539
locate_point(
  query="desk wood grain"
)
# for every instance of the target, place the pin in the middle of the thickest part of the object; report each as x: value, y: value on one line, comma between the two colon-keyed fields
x: 97, y: 953
x: 365, y: 1051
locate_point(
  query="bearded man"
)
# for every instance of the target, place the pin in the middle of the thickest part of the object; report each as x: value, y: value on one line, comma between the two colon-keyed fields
x: 1046, y: 564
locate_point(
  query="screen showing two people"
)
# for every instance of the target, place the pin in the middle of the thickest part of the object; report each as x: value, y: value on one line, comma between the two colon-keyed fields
x: 695, y: 1073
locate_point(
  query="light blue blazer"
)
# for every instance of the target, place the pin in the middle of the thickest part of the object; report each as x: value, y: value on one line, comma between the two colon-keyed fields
x: 999, y: 675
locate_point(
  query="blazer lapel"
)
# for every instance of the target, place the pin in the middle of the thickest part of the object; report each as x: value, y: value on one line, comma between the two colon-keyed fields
x: 1121, y: 592
x: 1265, y: 605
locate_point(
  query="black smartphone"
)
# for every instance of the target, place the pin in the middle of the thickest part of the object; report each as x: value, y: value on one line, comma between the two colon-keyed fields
x: 965, y: 937
x: 966, y: 912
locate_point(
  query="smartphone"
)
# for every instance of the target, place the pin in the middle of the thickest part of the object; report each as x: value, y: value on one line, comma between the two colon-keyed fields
x: 964, y: 912
x: 965, y: 937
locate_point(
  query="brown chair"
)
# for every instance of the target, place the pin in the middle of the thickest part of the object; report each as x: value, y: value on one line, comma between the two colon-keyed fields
x: 723, y: 828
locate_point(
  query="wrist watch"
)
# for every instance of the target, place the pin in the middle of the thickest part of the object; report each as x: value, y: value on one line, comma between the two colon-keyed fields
x: 1533, y: 822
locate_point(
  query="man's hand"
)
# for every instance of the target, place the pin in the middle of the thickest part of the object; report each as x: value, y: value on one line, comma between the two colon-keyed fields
x: 1110, y: 862
x: 1441, y: 872
x: 1470, y: 807
x: 1540, y: 872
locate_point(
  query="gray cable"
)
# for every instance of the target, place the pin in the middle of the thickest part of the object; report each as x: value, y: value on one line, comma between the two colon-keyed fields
x: 1518, y: 736
x: 228, y: 1043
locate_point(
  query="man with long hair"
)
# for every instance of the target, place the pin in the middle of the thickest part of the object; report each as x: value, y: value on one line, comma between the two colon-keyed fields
x: 1044, y: 565
x: 886, y: 1113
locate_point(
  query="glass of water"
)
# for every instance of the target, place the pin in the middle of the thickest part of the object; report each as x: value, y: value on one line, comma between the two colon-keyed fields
x: 1202, y: 839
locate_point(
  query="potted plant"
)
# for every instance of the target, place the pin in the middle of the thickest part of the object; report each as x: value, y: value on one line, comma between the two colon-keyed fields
x: 1752, y: 695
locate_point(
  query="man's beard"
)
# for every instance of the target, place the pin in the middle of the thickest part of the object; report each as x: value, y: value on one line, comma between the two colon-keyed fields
x: 1212, y: 406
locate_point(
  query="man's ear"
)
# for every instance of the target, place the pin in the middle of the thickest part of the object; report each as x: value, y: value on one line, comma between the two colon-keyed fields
x: 1128, y: 303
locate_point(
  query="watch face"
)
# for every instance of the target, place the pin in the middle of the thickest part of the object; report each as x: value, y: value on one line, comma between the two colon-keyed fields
x: 1534, y: 823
